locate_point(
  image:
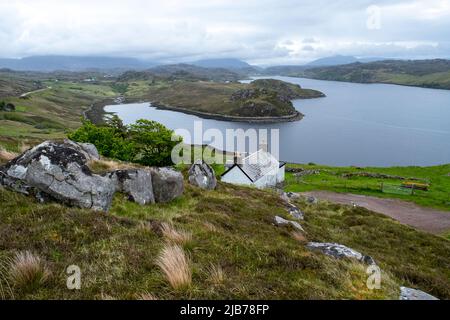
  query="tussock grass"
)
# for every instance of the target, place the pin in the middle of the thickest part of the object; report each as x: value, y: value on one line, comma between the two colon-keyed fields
x: 147, y: 296
x: 176, y: 266
x: 176, y: 236
x: 104, y: 165
x: 216, y: 274
x: 5, y: 287
x: 210, y: 227
x: 300, y: 237
x: 28, y: 270
x: 6, y: 155
x: 105, y: 296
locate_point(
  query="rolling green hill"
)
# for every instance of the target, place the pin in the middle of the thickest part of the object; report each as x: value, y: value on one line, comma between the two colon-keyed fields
x: 420, y: 73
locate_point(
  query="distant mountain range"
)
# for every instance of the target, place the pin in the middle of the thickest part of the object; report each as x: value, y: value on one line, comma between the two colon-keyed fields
x: 222, y: 63
x: 71, y: 63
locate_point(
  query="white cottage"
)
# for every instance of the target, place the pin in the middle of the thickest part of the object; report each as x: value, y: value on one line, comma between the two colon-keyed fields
x: 259, y: 169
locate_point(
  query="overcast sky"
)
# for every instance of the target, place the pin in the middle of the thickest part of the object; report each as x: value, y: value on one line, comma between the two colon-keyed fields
x: 258, y: 31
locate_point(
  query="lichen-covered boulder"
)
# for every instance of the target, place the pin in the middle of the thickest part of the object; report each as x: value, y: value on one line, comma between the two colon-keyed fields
x: 339, y: 251
x: 87, y: 149
x: 202, y: 175
x: 414, y: 294
x: 58, y: 171
x: 136, y: 183
x: 168, y: 184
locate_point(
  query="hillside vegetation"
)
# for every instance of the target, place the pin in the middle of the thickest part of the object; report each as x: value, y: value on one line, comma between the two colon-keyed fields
x: 420, y: 73
x: 226, y: 244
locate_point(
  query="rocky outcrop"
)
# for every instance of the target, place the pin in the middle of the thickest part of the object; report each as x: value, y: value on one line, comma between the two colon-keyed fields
x: 202, y: 175
x: 292, y: 209
x: 339, y: 251
x: 135, y: 183
x: 167, y: 184
x: 413, y: 294
x: 281, y: 222
x: 58, y: 171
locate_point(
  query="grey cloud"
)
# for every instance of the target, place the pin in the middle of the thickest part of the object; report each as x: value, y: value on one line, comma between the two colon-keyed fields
x: 264, y: 31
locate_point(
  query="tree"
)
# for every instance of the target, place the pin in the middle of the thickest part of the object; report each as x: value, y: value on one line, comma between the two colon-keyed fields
x: 116, y: 123
x: 154, y: 142
x: 109, y: 143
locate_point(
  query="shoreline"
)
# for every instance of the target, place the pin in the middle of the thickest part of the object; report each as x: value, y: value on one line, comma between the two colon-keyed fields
x: 376, y: 82
x: 96, y: 112
x: 205, y: 115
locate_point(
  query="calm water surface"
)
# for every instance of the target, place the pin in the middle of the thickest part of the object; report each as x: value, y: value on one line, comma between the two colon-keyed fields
x: 356, y: 124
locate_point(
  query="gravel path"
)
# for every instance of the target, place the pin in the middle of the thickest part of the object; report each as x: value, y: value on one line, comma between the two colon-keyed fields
x: 426, y: 219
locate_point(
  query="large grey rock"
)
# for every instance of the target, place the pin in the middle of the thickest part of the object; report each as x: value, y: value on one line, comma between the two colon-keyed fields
x: 413, y: 294
x: 136, y: 183
x: 167, y: 184
x: 339, y: 251
x: 202, y: 175
x: 58, y: 171
x: 87, y: 149
x: 281, y: 222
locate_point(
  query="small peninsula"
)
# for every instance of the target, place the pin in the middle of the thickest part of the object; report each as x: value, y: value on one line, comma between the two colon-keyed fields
x: 261, y: 101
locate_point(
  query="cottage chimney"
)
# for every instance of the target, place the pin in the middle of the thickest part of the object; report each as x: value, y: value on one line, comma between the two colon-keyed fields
x: 263, y: 146
x: 237, y: 159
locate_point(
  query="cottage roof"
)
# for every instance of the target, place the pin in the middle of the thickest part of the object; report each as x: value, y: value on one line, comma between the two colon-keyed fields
x: 257, y: 165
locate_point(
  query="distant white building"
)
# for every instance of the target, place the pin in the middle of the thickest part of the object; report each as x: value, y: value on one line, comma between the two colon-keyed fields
x: 259, y: 169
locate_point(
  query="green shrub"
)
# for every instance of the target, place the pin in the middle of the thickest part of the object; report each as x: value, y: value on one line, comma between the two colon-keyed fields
x: 145, y: 142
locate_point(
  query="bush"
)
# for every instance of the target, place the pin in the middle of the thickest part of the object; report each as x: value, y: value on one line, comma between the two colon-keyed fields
x: 146, y: 142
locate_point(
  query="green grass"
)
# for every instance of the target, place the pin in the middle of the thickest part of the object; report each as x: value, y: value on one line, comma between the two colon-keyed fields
x: 332, y: 179
x: 231, y: 227
x: 50, y: 114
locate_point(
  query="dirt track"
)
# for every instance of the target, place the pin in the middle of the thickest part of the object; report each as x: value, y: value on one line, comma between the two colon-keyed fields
x: 426, y: 219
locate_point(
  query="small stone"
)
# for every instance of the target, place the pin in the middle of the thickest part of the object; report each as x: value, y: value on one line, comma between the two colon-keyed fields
x: 280, y: 222
x: 339, y: 251
x: 202, y: 175
x: 414, y: 294
x: 295, y: 212
x: 311, y: 200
